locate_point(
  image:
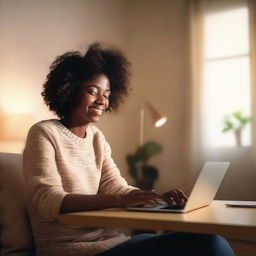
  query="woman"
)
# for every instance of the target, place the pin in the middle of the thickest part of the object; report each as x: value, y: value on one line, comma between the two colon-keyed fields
x: 68, y: 165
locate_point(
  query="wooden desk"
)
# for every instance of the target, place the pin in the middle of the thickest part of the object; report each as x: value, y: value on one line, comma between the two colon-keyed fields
x: 213, y: 219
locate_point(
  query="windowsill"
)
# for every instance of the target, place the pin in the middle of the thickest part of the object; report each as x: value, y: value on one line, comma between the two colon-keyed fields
x: 229, y: 153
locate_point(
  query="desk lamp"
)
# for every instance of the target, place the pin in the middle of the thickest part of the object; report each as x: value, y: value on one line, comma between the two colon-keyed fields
x: 157, y: 118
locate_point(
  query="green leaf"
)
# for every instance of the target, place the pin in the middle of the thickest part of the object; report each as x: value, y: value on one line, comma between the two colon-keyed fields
x: 237, y: 115
x: 148, y: 150
x: 143, y: 153
x: 245, y: 120
x: 226, y: 129
x: 228, y: 126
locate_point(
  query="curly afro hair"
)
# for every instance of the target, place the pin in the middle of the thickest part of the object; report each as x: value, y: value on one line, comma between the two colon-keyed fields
x: 71, y: 69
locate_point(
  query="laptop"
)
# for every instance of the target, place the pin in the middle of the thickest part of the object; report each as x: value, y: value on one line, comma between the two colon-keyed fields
x: 203, y: 192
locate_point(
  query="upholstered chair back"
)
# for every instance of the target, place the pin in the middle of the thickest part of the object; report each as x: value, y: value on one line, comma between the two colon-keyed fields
x: 15, y: 231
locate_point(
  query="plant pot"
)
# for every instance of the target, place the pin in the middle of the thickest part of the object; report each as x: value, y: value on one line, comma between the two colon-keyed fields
x: 238, y: 137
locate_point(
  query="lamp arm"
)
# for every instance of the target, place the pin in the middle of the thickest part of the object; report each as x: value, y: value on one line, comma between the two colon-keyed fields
x: 141, y: 125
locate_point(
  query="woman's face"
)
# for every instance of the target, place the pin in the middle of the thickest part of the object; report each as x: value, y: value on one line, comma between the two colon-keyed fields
x: 91, y: 100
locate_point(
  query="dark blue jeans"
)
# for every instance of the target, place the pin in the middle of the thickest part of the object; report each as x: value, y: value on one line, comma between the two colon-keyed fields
x: 180, y: 244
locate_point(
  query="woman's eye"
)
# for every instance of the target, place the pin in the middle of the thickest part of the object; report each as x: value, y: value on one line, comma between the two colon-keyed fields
x: 106, y: 96
x: 93, y: 92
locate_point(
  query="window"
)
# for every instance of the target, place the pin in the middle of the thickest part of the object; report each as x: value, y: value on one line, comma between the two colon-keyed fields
x: 226, y: 85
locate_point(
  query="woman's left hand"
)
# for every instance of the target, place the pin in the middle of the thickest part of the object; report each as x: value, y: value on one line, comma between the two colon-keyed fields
x: 175, y: 197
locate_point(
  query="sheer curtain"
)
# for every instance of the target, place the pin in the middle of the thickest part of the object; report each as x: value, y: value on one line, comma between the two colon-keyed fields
x: 196, y: 46
x: 239, y: 181
x: 252, y: 26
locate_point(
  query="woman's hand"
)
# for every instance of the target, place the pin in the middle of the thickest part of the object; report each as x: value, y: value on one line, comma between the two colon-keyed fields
x: 139, y: 197
x: 175, y: 197
x: 81, y: 202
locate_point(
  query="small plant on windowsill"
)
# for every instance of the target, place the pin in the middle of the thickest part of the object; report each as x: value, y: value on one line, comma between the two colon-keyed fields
x: 143, y: 173
x: 236, y: 122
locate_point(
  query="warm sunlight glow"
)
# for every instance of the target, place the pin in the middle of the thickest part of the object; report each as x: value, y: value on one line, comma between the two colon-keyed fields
x: 226, y: 33
x: 13, y: 98
x: 15, y: 105
x: 226, y: 75
x: 226, y: 90
x: 14, y: 127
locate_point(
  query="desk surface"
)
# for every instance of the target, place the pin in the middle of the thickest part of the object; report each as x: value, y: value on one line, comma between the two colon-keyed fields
x: 215, y: 219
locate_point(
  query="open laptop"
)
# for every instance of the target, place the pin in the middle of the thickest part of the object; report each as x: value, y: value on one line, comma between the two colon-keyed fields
x: 203, y: 192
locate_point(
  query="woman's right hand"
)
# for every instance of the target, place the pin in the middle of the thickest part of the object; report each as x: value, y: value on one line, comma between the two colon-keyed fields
x: 138, y: 197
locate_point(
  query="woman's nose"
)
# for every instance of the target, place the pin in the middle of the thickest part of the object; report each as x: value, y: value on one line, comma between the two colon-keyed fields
x: 100, y: 99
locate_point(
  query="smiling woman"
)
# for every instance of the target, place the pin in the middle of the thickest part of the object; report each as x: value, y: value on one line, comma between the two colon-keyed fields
x: 68, y: 165
x: 71, y: 70
x: 90, y: 102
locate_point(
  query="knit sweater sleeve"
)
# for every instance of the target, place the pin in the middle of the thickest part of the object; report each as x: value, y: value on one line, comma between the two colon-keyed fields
x: 111, y: 180
x: 41, y: 173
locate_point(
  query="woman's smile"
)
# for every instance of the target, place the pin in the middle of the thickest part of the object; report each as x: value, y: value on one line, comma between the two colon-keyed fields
x: 96, y: 110
x: 91, y: 100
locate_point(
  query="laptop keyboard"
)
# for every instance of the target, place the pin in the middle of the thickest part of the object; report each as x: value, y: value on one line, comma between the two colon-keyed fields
x: 174, y: 207
x: 163, y: 206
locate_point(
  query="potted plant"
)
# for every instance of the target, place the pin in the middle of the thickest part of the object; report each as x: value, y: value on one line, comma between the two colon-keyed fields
x: 143, y: 173
x: 236, y: 122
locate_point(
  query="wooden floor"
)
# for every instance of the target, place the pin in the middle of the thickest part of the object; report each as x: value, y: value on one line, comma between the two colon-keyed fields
x: 243, y: 247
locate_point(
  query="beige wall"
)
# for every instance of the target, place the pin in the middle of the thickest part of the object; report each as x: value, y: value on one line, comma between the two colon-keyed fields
x: 152, y: 33
x: 157, y: 43
x: 33, y: 32
x: 155, y: 36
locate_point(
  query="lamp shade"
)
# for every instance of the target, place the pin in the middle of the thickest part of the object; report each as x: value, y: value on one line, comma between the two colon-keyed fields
x: 157, y: 118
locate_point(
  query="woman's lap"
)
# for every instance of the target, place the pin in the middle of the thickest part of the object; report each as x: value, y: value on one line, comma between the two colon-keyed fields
x: 172, y: 244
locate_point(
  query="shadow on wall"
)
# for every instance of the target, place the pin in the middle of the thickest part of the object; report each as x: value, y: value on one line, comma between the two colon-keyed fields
x: 237, y: 184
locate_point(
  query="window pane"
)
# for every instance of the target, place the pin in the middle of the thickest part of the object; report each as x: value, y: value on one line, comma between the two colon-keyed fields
x: 226, y: 33
x: 226, y: 90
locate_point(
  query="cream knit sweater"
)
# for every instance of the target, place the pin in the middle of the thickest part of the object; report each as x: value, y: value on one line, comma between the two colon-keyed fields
x: 57, y: 162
